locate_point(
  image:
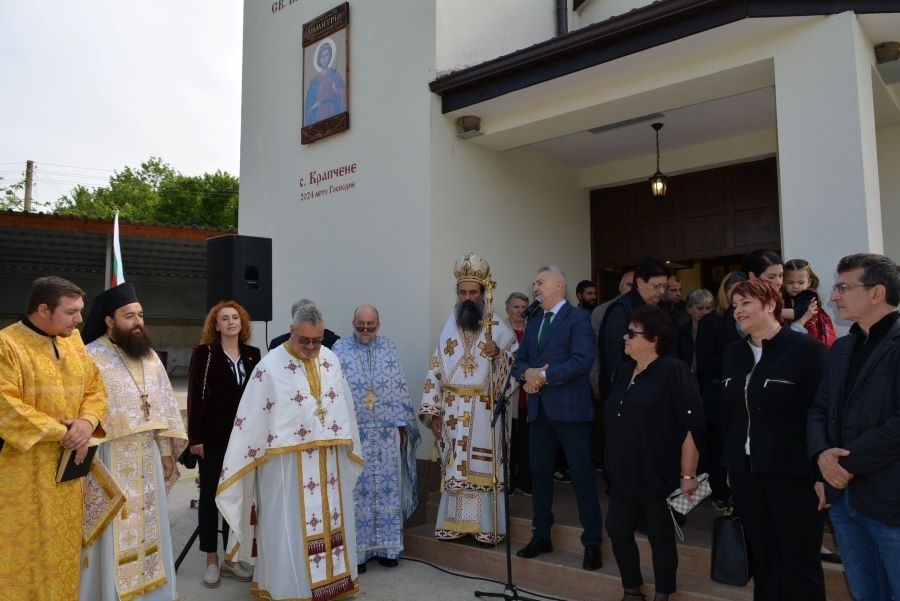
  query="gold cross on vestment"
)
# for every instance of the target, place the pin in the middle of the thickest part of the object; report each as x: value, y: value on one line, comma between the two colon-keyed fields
x: 451, y: 347
x: 370, y: 399
x: 466, y: 419
x: 321, y: 412
x: 145, y: 405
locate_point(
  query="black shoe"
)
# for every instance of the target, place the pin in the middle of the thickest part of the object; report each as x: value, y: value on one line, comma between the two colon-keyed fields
x: 592, y: 559
x: 563, y: 477
x: 831, y: 557
x: 361, y: 568
x: 388, y: 563
x: 535, y: 547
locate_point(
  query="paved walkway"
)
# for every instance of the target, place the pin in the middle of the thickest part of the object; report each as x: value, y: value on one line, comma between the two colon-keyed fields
x: 407, y: 582
x: 410, y: 581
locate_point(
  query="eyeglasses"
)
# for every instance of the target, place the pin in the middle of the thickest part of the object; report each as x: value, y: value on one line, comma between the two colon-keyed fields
x: 658, y: 286
x: 842, y: 288
x: 364, y: 328
x: 304, y: 341
x: 632, y: 334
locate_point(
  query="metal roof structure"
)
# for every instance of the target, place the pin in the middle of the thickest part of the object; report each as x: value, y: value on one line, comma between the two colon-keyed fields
x: 165, y: 260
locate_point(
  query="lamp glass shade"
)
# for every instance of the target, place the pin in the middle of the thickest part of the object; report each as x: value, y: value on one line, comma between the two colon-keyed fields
x: 658, y: 184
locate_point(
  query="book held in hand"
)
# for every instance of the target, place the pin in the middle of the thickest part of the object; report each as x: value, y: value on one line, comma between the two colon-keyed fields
x: 68, y: 470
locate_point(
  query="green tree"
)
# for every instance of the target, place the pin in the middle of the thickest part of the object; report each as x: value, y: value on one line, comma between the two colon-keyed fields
x: 157, y: 193
x: 11, y: 196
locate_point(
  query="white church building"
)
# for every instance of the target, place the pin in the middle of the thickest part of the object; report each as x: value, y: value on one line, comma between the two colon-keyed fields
x: 781, y: 129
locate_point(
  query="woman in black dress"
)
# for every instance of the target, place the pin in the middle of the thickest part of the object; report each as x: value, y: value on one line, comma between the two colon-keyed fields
x: 768, y: 383
x: 654, y: 416
x: 220, y: 367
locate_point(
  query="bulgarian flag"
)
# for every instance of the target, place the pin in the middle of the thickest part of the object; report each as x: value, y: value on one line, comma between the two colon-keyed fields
x: 117, y: 274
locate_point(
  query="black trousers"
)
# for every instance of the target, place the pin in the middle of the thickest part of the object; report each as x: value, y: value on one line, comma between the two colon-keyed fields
x: 622, y: 517
x: 210, y: 468
x: 519, y: 466
x: 783, y: 528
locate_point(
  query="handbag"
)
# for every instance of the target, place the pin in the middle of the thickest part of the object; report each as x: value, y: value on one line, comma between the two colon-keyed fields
x: 682, y: 503
x: 188, y: 459
x: 730, y: 562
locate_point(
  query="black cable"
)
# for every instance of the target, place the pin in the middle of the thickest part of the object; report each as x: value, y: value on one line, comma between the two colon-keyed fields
x: 440, y: 569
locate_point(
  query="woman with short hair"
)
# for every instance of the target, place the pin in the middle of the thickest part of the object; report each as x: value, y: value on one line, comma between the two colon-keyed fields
x: 653, y: 420
x: 769, y: 381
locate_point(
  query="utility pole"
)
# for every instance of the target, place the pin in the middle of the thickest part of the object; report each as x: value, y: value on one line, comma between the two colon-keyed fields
x: 29, y: 181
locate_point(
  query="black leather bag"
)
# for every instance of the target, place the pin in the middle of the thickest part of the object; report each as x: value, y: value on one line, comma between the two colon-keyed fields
x: 187, y: 459
x: 730, y: 560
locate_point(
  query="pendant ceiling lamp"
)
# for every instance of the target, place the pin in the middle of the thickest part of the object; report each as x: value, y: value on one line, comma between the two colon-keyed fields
x: 658, y: 181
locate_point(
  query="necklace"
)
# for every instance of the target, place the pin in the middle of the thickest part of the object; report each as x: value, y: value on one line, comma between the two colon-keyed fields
x: 145, y: 405
x: 370, y: 399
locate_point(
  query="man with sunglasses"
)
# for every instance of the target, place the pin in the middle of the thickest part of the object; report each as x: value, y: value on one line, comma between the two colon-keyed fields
x: 328, y: 338
x: 853, y: 426
x: 385, y: 494
x: 293, y: 459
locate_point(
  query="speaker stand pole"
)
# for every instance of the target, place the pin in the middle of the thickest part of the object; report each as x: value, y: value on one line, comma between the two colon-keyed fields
x: 510, y: 593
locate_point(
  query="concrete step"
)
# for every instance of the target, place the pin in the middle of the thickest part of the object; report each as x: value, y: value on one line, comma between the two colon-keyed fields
x: 558, y: 574
x: 693, y: 556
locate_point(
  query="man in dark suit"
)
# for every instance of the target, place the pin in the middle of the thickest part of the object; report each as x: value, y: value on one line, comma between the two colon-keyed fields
x: 553, y: 362
x: 853, y: 426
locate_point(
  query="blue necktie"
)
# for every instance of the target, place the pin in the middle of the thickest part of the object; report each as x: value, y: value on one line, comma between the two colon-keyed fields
x: 545, y: 329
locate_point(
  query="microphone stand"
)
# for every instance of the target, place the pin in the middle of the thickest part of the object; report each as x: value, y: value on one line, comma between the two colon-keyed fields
x: 510, y: 593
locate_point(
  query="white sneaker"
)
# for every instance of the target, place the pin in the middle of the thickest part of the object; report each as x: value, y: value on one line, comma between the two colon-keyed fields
x: 211, y: 578
x: 237, y: 571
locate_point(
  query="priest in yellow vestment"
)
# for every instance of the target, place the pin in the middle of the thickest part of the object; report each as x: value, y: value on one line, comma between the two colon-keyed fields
x: 51, y: 396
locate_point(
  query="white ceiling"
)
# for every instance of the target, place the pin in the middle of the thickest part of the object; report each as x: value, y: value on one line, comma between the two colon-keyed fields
x: 717, y: 119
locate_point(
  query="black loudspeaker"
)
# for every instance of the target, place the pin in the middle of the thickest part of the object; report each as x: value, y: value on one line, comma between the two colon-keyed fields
x: 240, y: 268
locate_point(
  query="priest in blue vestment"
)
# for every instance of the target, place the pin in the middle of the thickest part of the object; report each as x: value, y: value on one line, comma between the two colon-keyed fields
x: 385, y: 494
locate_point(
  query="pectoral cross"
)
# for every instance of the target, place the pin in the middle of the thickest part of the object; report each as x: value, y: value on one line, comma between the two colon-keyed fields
x: 370, y: 399
x: 320, y: 412
x: 145, y: 405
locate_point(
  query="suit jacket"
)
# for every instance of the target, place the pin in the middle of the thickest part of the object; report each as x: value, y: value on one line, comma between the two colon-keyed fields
x: 871, y: 424
x: 569, y: 353
x: 211, y: 415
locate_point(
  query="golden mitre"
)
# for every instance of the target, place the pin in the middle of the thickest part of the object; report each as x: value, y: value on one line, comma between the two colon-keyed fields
x: 472, y: 268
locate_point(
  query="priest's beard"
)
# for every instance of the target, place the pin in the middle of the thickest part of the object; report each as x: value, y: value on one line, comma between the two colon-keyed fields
x: 135, y: 342
x: 469, y: 315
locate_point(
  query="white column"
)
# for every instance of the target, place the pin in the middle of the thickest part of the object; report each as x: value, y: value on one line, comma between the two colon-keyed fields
x: 827, y: 155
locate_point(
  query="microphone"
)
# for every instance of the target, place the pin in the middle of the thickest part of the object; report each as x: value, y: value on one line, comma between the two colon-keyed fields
x: 530, y: 308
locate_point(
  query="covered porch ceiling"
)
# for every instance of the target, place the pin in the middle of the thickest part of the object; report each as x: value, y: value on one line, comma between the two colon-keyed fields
x: 556, y: 117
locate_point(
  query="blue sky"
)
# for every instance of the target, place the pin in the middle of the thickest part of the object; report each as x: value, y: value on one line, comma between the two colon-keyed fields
x: 93, y: 85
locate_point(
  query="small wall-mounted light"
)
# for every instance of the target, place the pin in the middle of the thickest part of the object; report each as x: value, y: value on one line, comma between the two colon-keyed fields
x: 468, y: 126
x: 658, y: 181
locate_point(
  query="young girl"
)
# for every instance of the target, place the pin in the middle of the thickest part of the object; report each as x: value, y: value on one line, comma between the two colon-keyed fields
x: 800, y: 285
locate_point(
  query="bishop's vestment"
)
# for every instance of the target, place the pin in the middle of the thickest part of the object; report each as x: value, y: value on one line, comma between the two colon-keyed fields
x: 385, y: 494
x: 133, y: 559
x: 43, y: 379
x: 295, y: 449
x: 459, y: 392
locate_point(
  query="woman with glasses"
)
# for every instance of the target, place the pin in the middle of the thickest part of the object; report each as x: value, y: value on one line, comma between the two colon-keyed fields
x: 653, y: 420
x: 219, y: 369
x: 769, y: 381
